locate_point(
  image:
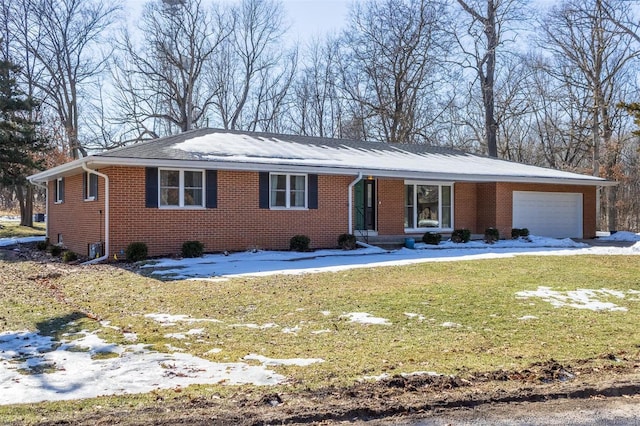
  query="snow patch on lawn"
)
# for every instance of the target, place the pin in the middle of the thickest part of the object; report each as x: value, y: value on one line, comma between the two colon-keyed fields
x: 37, y: 368
x: 622, y: 236
x: 263, y: 263
x: 384, y: 376
x: 256, y: 326
x: 167, y: 320
x: 6, y: 242
x: 411, y: 315
x: 528, y: 317
x: 579, y: 299
x: 365, y: 318
x: 300, y: 362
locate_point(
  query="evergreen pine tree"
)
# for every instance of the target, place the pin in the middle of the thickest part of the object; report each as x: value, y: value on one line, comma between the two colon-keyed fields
x: 19, y: 141
x: 632, y: 109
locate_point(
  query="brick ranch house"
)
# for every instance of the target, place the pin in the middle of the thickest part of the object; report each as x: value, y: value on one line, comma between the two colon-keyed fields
x: 236, y: 190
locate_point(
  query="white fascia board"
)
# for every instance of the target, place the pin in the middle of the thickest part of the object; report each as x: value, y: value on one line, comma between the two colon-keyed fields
x: 98, y: 161
x: 66, y: 169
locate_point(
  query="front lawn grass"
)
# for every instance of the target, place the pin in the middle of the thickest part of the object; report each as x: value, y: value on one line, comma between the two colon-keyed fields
x: 476, y: 299
x: 12, y: 229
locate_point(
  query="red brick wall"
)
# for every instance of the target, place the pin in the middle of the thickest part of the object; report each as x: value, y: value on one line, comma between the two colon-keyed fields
x: 465, y: 196
x: 77, y: 221
x: 486, y: 207
x: 482, y: 205
x: 390, y: 207
x: 239, y: 224
x: 236, y: 224
x: 504, y: 212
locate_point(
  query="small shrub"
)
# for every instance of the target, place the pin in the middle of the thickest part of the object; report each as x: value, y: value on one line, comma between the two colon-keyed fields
x: 192, y: 249
x: 432, y: 238
x: 299, y: 243
x: 461, y: 236
x: 136, y: 252
x: 55, y: 251
x: 347, y: 241
x: 69, y: 256
x: 42, y: 245
x: 519, y: 232
x: 491, y: 235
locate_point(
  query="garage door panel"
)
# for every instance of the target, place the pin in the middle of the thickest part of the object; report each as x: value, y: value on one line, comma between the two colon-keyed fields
x: 549, y: 214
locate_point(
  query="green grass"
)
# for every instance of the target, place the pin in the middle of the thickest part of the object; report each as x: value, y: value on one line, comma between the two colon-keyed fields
x: 478, y: 295
x: 13, y: 229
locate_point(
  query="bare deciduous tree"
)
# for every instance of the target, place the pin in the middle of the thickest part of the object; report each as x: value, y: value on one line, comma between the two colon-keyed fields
x: 161, y: 78
x: 485, y: 27
x: 392, y: 61
x: 253, y: 73
x: 63, y: 42
x: 586, y: 38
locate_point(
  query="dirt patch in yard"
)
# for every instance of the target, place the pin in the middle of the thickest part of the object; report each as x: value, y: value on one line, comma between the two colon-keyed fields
x: 397, y: 396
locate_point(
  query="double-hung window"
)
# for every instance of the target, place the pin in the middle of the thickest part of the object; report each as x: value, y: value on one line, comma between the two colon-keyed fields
x: 428, y: 205
x: 90, y: 186
x: 59, y: 190
x: 181, y: 188
x: 288, y: 191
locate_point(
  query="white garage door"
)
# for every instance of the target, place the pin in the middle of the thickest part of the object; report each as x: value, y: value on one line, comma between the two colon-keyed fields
x: 548, y: 214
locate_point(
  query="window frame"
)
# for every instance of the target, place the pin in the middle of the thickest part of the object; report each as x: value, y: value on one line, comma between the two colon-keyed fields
x: 288, y: 191
x: 415, y: 219
x: 59, y: 190
x: 89, y: 187
x: 182, y: 189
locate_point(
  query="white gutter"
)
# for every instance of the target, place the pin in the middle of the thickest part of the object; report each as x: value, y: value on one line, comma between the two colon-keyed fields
x: 351, y: 185
x: 46, y: 206
x: 106, y: 214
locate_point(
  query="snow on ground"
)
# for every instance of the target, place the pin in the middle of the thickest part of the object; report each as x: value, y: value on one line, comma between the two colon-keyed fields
x: 622, y: 236
x: 300, y: 362
x: 580, y: 299
x: 6, y: 242
x: 262, y: 263
x: 365, y: 318
x: 167, y: 320
x: 36, y: 368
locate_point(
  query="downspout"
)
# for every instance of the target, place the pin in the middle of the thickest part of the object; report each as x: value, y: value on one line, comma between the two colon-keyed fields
x: 46, y: 206
x: 351, y: 185
x: 106, y: 214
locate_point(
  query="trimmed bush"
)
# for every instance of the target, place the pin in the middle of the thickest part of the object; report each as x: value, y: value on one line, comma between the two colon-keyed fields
x: 55, y: 251
x: 299, y: 243
x: 192, y: 249
x: 42, y: 245
x: 69, y: 256
x: 432, y: 238
x: 347, y: 241
x: 519, y: 232
x: 491, y: 235
x: 461, y: 235
x: 136, y: 252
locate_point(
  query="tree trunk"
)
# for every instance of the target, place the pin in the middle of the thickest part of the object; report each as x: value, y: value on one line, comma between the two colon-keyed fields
x: 24, y: 194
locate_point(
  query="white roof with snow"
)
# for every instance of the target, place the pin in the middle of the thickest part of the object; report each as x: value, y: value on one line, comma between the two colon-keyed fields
x: 235, y: 150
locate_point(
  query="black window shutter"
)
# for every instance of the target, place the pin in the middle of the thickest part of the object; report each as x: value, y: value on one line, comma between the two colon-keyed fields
x: 62, y: 190
x: 212, y: 189
x: 264, y: 190
x: 56, y: 196
x: 151, y: 187
x: 313, y: 191
x: 84, y: 185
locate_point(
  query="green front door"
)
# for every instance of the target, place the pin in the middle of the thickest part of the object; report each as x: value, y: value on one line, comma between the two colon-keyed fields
x: 365, y: 204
